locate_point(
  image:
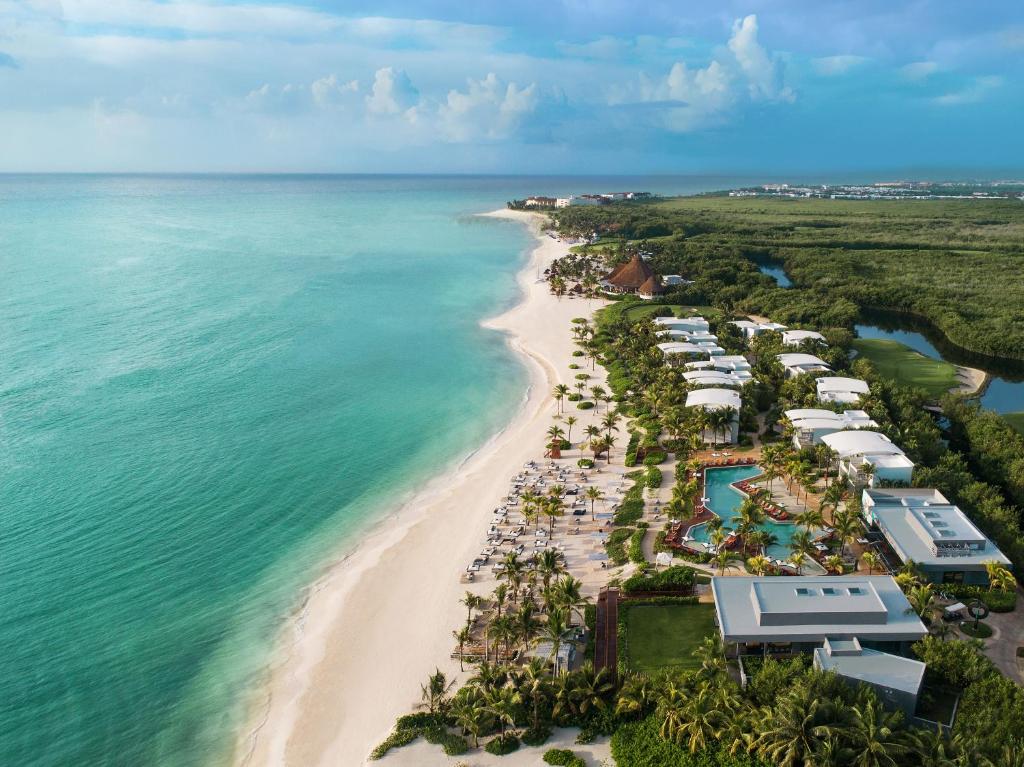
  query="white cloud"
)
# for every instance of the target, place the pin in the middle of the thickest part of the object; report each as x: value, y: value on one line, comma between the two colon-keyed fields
x: 977, y: 91
x: 919, y: 70
x: 328, y: 91
x: 488, y: 108
x: 830, y: 66
x: 393, y: 92
x: 688, y: 99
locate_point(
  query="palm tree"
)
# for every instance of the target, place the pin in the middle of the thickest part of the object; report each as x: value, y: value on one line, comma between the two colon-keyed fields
x: 592, y: 689
x: 758, y: 565
x: 555, y: 435
x: 500, y: 595
x: 534, y: 687
x: 553, y: 631
x: 502, y: 705
x: 877, y: 737
x: 1000, y: 577
x: 810, y: 519
x: 801, y: 543
x: 570, y: 421
x: 711, y: 655
x: 526, y: 623
x: 796, y: 729
x: 834, y: 563
x: 597, y: 392
x: 489, y: 676
x: 549, y: 564
x: 635, y: 695
x: 797, y: 560
x: 513, y: 573
x: 470, y: 714
x: 872, y: 560
x: 472, y: 602
x: 560, y: 392
x: 593, y: 494
x: 608, y: 422
x: 553, y: 508
x: 462, y: 636
x: 723, y: 557
x: 921, y: 599
x: 434, y: 694
x: 697, y: 722
x: 571, y: 598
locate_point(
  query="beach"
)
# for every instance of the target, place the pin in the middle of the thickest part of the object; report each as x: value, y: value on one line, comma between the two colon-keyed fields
x: 376, y: 624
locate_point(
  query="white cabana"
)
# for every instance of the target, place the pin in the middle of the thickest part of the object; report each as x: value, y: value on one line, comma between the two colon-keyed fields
x: 797, y: 363
x: 797, y: 337
x: 841, y: 390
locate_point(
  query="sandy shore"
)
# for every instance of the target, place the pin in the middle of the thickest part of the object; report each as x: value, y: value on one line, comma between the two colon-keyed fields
x: 378, y: 623
x: 972, y: 381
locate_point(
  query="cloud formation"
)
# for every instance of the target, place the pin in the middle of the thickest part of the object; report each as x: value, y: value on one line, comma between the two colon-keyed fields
x: 392, y: 93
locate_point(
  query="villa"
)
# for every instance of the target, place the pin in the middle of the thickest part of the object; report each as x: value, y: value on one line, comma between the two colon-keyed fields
x: 671, y: 280
x: 718, y: 399
x: 921, y: 525
x: 717, y: 378
x: 675, y: 352
x: 629, y: 277
x: 811, y: 424
x: 840, y: 390
x: 798, y: 614
x: 896, y: 680
x: 684, y: 324
x: 687, y: 335
x: 751, y: 329
x: 859, y: 450
x: 797, y: 364
x: 797, y: 337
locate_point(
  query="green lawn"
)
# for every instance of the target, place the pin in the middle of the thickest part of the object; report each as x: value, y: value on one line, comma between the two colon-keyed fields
x: 1016, y: 420
x: 900, y: 362
x: 665, y: 636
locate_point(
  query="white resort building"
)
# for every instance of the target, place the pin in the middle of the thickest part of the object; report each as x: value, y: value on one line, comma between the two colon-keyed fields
x: 921, y: 525
x: 711, y: 377
x: 797, y: 337
x: 718, y: 399
x: 896, y: 680
x: 686, y: 324
x: 811, y: 424
x: 751, y: 329
x: 858, y: 450
x: 678, y: 352
x: 797, y: 364
x: 840, y: 390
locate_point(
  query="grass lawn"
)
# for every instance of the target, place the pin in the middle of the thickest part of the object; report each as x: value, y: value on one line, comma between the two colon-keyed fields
x: 1016, y: 420
x: 665, y: 636
x: 900, y: 362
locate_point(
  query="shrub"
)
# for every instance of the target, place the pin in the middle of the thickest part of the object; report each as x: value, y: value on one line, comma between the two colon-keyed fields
x: 631, y: 448
x: 585, y: 463
x: 577, y: 353
x: 536, y: 737
x: 396, y: 739
x: 629, y: 511
x: 561, y: 756
x: 584, y: 405
x: 582, y: 376
x: 615, y: 545
x: 653, y: 479
x: 676, y: 578
x: 502, y: 745
x: 983, y: 631
x: 638, y: 744
x: 996, y: 601
x: 636, y: 546
x: 575, y: 397
x: 655, y: 457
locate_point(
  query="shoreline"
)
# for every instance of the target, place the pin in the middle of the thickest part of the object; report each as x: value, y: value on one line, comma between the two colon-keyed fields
x: 351, y: 637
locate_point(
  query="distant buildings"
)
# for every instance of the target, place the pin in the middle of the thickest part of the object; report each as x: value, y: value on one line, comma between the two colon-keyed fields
x: 921, y: 525
x: 630, y: 277
x: 540, y: 202
x: 751, y: 329
x: 797, y: 337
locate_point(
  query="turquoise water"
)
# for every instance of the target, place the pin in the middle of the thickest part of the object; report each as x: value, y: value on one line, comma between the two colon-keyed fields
x: 725, y: 501
x: 207, y: 386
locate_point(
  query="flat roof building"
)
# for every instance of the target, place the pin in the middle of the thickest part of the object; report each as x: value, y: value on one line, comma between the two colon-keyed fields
x: 801, y: 612
x: 811, y: 424
x: 921, y: 525
x: 751, y: 329
x: 797, y: 337
x: 896, y: 680
x: 857, y: 449
x: 797, y: 363
x: 718, y: 399
x: 717, y: 378
x: 841, y: 390
x: 688, y: 324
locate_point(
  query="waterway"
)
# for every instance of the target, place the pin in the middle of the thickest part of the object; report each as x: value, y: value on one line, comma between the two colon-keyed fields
x: 777, y: 273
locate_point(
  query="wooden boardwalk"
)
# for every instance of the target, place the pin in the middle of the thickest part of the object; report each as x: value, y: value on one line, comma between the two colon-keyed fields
x: 606, y: 644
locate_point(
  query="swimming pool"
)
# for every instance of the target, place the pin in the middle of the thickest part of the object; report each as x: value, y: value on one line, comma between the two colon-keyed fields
x: 725, y: 501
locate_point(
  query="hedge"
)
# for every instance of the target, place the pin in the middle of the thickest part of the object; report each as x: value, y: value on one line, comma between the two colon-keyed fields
x: 629, y: 511
x: 615, y: 546
x: 639, y: 744
x: 996, y: 601
x: 654, y: 477
x: 655, y: 457
x: 676, y: 578
x: 636, y: 546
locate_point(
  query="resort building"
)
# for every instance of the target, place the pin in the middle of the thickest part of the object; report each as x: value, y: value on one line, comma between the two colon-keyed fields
x: 751, y: 329
x: 677, y: 352
x: 896, y: 680
x: 688, y: 335
x: 869, y: 457
x: 718, y: 399
x: 588, y: 199
x: 540, y: 202
x: 731, y: 362
x: 811, y: 424
x: 797, y: 364
x: 717, y: 378
x: 840, y: 390
x: 797, y: 337
x: 651, y: 288
x: 685, y: 324
x: 562, y: 202
x: 921, y: 525
x: 767, y: 614
x: 629, y: 277
x: 671, y: 280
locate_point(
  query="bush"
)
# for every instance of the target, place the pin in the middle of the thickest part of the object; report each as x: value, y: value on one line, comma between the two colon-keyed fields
x: 502, y: 745
x: 582, y: 376
x: 653, y: 479
x: 585, y: 463
x: 615, y: 546
x: 396, y: 739
x: 638, y: 744
x: 996, y: 601
x: 676, y: 578
x: 636, y: 546
x: 984, y: 631
x: 573, y: 366
x: 536, y: 737
x: 655, y: 457
x: 584, y: 405
x: 629, y: 511
x: 577, y: 353
x: 575, y: 397
x: 631, y: 448
x: 563, y: 757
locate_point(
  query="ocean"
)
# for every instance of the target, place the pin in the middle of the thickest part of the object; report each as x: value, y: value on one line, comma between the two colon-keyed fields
x: 209, y: 387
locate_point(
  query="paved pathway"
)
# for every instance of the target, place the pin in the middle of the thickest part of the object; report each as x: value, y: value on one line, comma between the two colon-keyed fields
x: 1007, y: 636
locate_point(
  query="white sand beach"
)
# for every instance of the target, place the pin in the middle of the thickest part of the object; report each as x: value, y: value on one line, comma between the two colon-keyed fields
x: 378, y: 623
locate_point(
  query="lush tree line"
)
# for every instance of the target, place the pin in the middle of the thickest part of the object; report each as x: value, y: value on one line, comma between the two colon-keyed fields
x: 945, y: 261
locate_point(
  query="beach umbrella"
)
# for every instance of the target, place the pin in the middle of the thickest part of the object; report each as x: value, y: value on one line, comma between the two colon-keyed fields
x: 663, y: 558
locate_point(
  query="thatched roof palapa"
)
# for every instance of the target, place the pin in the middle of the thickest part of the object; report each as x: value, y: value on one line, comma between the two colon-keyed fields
x: 652, y: 287
x: 631, y: 275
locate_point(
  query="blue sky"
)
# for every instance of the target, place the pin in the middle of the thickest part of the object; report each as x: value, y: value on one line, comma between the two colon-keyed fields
x: 571, y: 86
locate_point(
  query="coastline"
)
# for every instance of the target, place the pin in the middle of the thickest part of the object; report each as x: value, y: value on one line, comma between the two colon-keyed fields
x: 379, y: 618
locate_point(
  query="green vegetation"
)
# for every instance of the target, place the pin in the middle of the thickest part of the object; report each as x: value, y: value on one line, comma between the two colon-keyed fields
x: 616, y: 545
x: 980, y: 631
x: 677, y: 579
x: 1016, y: 421
x: 907, y: 366
x: 562, y: 757
x: 945, y: 261
x: 660, y: 637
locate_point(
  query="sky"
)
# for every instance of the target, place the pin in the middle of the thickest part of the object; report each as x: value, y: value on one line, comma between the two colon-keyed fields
x: 545, y: 86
